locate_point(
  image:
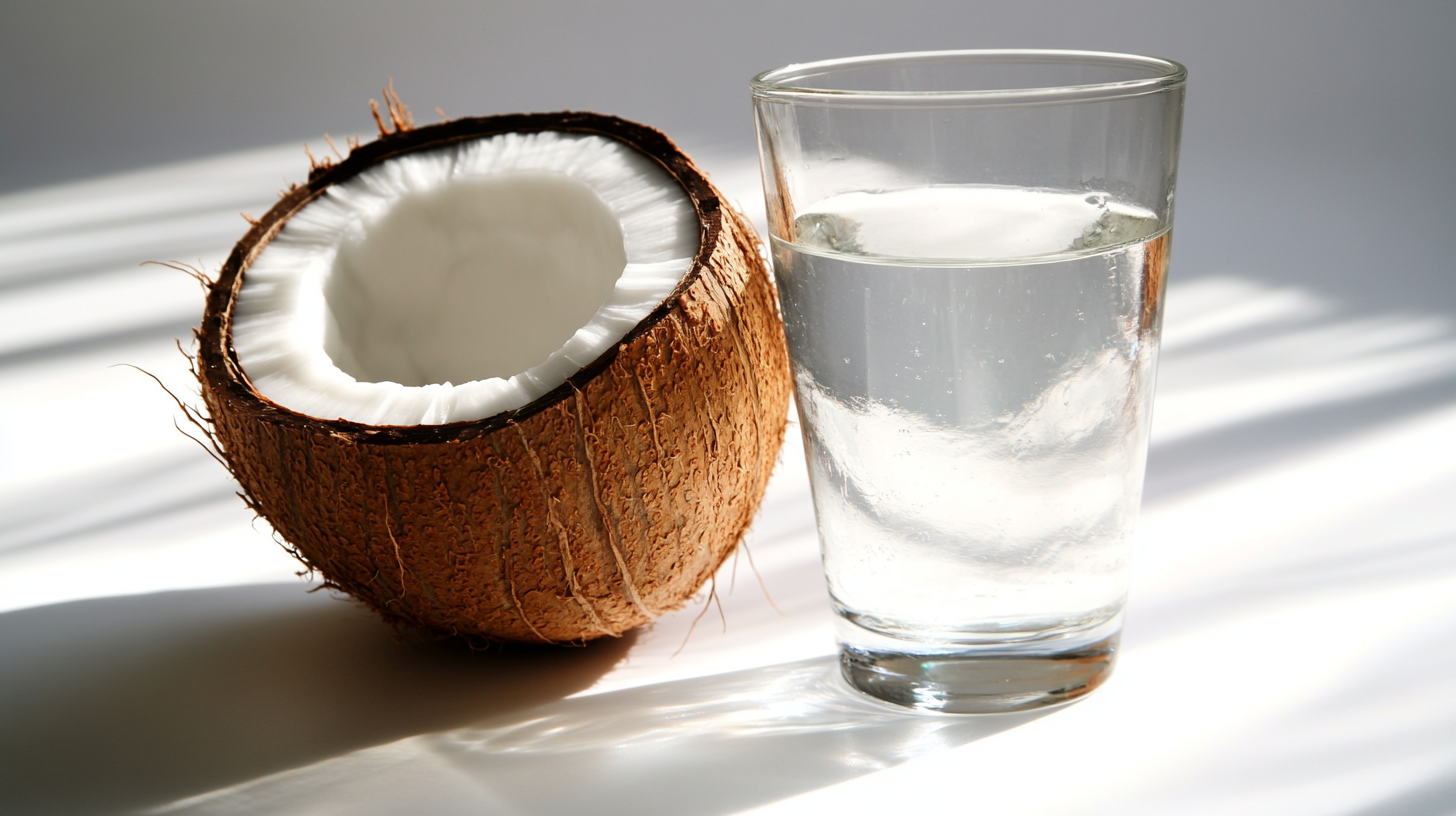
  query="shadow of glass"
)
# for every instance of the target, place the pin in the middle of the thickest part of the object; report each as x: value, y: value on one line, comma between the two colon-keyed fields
x: 708, y: 745
x: 789, y: 729
x: 113, y: 704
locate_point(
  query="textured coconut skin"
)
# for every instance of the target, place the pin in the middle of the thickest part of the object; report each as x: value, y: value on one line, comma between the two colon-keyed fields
x: 587, y: 513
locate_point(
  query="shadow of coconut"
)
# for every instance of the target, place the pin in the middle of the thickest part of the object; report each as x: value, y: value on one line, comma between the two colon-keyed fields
x: 113, y: 704
x: 696, y: 747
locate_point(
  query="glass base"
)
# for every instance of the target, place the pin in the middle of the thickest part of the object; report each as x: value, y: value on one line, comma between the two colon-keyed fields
x: 980, y: 681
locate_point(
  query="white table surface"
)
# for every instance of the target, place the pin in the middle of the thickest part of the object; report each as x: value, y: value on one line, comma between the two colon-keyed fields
x: 1288, y: 648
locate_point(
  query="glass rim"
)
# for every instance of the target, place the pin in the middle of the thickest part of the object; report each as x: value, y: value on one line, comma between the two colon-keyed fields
x: 780, y: 84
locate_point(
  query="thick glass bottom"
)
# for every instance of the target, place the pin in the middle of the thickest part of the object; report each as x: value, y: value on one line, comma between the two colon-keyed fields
x: 979, y: 680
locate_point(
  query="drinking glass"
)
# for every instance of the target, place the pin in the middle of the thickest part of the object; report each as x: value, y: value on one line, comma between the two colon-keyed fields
x: 971, y: 249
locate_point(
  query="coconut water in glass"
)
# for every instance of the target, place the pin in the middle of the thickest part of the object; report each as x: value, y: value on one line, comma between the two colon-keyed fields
x: 974, y: 356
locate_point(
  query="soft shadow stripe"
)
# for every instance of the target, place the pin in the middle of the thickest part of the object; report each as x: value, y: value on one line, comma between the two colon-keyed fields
x: 159, y: 330
x: 113, y: 264
x: 119, y: 523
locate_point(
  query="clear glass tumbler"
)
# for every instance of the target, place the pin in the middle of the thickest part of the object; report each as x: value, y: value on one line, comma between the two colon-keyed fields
x: 971, y: 249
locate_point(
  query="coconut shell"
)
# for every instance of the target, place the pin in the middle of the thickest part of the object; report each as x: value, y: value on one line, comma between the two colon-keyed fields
x: 599, y: 506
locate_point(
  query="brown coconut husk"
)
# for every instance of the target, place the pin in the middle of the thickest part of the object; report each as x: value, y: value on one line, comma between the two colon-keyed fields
x: 588, y: 512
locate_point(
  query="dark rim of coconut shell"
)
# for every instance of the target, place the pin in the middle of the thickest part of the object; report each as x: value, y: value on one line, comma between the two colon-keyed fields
x: 219, y: 360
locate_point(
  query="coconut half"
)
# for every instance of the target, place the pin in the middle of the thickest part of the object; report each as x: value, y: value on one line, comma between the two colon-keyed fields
x: 520, y: 377
x: 461, y: 282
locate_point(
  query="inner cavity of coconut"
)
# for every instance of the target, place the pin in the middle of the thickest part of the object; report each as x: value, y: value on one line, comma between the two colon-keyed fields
x: 454, y: 284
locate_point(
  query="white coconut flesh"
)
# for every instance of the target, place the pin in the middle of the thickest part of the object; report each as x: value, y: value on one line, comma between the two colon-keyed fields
x: 458, y: 283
